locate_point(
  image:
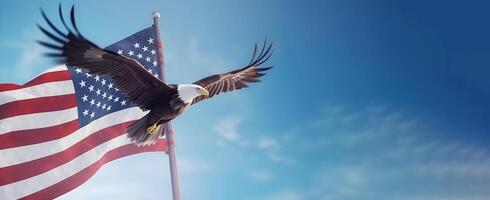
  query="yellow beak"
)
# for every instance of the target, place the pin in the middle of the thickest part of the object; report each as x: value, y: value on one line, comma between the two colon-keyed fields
x: 204, y: 92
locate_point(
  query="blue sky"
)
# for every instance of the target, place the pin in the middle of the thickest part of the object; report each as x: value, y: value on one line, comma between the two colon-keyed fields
x: 367, y: 100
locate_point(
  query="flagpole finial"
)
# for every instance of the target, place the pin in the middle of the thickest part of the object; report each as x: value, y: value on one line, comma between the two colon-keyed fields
x: 156, y: 14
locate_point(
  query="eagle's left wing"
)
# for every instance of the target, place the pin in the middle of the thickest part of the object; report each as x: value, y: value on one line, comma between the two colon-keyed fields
x: 236, y: 79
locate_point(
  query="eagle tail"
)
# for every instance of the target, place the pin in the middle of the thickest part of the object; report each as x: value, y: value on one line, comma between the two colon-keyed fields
x: 137, y: 132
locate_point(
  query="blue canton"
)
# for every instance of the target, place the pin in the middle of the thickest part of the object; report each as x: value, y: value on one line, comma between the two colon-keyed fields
x: 98, y: 96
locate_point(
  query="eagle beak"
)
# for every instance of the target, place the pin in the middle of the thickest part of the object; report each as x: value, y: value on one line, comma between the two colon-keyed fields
x: 204, y: 92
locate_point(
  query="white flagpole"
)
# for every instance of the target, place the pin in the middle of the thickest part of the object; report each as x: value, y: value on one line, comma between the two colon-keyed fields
x: 169, y: 134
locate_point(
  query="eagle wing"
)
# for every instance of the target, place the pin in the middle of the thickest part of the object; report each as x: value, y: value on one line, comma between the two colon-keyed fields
x: 236, y: 79
x: 129, y: 75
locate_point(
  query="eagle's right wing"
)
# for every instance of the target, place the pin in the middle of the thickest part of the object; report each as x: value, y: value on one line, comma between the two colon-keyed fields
x: 76, y: 51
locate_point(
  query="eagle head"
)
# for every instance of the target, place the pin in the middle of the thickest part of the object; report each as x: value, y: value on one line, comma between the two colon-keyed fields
x: 187, y: 92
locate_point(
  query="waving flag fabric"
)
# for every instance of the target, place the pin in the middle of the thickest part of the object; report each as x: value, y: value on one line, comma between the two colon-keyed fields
x: 57, y: 130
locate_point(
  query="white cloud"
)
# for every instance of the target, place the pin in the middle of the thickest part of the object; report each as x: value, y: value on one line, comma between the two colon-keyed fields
x: 333, y: 109
x: 194, y: 60
x: 267, y: 143
x: 407, y: 125
x: 227, y: 128
x: 30, y: 55
x: 122, y: 179
x: 349, y: 118
x: 365, y: 149
x: 376, y: 109
x: 446, y: 197
x: 244, y: 143
x: 197, y: 55
x: 279, y: 158
x: 261, y: 175
x: 192, y: 166
x: 341, y: 182
x: 285, y: 195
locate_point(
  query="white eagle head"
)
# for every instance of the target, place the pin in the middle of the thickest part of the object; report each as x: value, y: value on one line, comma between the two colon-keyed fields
x: 187, y: 92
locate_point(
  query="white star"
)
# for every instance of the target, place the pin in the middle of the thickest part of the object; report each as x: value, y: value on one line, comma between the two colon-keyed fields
x: 153, y: 52
x: 150, y: 40
x: 98, y: 104
x: 110, y: 85
x: 88, y: 75
x: 82, y: 83
x: 97, y: 78
x: 155, y: 75
x: 103, y: 107
x: 110, y: 97
x: 97, y: 92
x: 155, y: 63
x: 85, y: 98
x: 136, y: 45
x: 104, y: 95
x: 131, y: 53
x: 116, y: 99
x: 92, y: 102
x: 78, y: 70
x: 140, y: 56
x: 123, y: 102
x: 91, y: 88
x: 103, y: 81
x: 85, y: 113
x: 109, y: 108
x: 117, y: 89
x: 145, y: 48
x: 148, y: 59
x: 120, y: 52
x: 149, y: 70
x: 92, y: 115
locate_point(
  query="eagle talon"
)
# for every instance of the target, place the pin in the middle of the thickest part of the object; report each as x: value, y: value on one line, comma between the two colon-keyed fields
x: 153, y: 129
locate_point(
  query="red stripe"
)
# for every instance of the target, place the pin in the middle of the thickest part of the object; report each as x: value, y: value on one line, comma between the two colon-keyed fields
x: 79, y: 178
x: 34, y: 136
x: 43, y: 78
x: 31, y: 168
x: 37, y: 105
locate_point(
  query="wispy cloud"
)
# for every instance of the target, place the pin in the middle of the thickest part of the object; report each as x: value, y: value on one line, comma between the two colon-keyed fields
x: 268, y: 143
x: 349, y: 118
x: 285, y: 195
x: 29, y: 52
x: 193, y: 61
x: 127, y: 174
x: 193, y: 166
x: 227, y: 128
x: 281, y: 158
x: 361, y: 150
x: 261, y: 175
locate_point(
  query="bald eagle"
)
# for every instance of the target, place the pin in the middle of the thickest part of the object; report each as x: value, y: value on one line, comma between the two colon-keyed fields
x: 163, y: 101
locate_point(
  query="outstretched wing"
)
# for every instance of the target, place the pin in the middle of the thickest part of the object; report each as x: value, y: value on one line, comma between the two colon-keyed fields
x: 129, y: 75
x: 236, y: 79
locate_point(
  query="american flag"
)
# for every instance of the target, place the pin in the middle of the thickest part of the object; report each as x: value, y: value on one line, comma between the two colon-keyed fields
x: 58, y: 129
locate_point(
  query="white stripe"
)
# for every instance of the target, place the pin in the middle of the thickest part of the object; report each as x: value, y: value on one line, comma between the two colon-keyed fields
x: 23, y: 154
x: 41, y: 90
x: 28, y: 186
x: 55, y: 69
x: 37, y: 120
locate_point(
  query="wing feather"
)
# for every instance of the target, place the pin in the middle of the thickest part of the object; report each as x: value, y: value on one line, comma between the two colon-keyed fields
x: 237, y: 79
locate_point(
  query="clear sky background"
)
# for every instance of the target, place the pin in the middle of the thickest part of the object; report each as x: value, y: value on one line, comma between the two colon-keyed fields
x: 367, y: 100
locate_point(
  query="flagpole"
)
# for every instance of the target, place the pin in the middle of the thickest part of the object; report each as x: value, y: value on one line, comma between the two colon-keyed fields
x: 169, y: 134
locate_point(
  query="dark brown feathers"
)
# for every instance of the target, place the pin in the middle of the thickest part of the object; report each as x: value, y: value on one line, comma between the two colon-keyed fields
x: 74, y: 50
x: 237, y: 79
